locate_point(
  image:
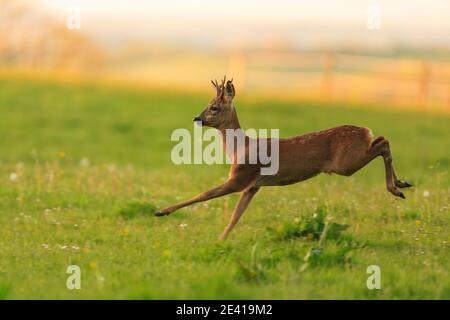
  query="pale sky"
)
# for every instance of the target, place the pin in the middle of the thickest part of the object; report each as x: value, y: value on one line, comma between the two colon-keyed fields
x: 429, y: 11
x: 402, y: 20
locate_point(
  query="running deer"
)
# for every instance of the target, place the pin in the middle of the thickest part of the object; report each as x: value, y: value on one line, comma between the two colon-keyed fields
x: 342, y: 150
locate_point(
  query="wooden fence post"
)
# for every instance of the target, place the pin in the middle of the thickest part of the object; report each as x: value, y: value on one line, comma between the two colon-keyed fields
x: 424, y: 83
x: 329, y: 63
x: 237, y: 65
x: 448, y: 96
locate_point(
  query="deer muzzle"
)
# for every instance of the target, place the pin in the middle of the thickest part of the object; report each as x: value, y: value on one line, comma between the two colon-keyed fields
x: 198, y: 121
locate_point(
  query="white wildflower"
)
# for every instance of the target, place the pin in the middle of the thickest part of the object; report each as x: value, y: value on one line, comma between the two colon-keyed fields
x: 85, y: 162
x: 13, y: 176
x: 426, y: 194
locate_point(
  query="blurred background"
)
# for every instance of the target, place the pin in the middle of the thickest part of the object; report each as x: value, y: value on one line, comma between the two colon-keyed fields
x: 395, y: 52
x: 92, y: 90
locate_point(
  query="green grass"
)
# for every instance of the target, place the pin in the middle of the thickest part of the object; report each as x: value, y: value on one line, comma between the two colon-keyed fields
x: 92, y: 204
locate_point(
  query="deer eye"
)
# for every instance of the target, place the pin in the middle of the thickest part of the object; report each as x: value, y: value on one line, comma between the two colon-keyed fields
x: 214, y: 108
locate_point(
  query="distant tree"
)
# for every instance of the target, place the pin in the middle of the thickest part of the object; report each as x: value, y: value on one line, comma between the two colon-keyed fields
x: 30, y: 37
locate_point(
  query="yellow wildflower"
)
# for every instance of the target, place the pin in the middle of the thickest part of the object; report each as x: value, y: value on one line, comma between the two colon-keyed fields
x: 125, y: 231
x: 167, y: 253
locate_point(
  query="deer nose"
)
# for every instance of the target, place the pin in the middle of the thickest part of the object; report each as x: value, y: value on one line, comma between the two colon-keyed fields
x: 197, y: 119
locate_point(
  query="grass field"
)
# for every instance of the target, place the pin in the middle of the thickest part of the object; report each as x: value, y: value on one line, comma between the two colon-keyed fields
x: 82, y: 169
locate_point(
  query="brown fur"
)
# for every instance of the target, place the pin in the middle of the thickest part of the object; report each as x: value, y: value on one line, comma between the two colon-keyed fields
x: 342, y: 150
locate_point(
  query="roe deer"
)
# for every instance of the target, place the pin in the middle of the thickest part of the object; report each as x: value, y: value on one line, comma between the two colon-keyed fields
x: 342, y: 150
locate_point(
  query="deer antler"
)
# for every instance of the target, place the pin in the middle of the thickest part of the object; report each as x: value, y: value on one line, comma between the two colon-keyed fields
x: 222, y: 85
x: 215, y: 85
x: 219, y: 87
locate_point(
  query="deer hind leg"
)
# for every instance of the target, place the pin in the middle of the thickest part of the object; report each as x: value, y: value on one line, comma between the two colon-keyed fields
x: 246, y: 196
x: 401, y: 184
x: 380, y: 146
x: 224, y: 189
x: 350, y: 162
x: 381, y: 143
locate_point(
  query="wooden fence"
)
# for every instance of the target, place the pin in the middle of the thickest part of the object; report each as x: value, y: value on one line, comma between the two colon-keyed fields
x: 422, y: 83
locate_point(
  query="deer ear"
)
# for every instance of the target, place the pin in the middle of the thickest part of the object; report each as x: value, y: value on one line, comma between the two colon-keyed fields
x: 229, y: 91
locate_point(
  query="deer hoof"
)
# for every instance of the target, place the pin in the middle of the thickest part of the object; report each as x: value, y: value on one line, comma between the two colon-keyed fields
x: 160, y: 214
x: 407, y: 185
x: 396, y: 193
x: 402, y: 184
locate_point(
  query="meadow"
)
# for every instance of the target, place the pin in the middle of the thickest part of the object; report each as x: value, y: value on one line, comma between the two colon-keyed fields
x: 83, y: 167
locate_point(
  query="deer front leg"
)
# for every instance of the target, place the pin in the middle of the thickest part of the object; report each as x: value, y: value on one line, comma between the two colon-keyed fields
x: 245, y: 199
x: 224, y: 189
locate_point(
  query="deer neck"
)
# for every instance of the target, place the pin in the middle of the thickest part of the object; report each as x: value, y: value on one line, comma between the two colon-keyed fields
x: 234, y: 126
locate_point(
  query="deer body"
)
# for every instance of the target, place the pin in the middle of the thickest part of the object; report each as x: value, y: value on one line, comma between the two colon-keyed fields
x: 308, y: 155
x: 342, y: 150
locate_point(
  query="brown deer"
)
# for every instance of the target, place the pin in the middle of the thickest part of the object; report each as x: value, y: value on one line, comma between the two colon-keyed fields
x: 342, y: 150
